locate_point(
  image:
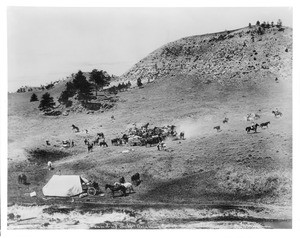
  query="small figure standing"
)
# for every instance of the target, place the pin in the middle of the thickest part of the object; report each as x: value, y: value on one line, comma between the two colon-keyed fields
x: 163, y: 146
x: 50, y: 165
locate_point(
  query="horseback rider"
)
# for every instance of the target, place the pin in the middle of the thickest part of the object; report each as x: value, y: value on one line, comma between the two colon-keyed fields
x: 122, y: 180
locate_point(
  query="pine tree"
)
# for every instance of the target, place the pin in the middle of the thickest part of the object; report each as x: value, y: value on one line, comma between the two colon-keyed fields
x: 82, y: 87
x: 46, y: 103
x: 99, y: 79
x: 33, y: 98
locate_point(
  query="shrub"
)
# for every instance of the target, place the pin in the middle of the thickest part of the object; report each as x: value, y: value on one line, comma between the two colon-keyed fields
x: 139, y: 82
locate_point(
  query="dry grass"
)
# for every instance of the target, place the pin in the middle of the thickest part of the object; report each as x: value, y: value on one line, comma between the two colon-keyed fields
x: 248, y: 183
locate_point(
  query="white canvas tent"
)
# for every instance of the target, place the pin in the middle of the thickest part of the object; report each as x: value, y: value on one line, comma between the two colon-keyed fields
x: 64, y: 186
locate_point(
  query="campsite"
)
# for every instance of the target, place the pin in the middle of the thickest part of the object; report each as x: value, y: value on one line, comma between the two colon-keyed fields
x: 198, y: 136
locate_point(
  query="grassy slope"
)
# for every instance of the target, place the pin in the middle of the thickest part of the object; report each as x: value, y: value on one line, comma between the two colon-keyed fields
x: 195, y: 170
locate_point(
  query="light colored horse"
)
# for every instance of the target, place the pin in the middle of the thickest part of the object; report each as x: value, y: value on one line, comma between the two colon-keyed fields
x: 127, y: 185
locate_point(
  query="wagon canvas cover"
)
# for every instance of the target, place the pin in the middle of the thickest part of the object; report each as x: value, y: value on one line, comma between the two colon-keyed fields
x: 64, y: 186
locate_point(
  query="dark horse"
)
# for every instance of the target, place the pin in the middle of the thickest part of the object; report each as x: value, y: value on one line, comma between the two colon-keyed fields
x: 90, y: 147
x: 265, y: 124
x: 75, y: 128
x: 277, y: 113
x: 136, y: 179
x: 116, y: 141
x: 226, y: 120
x: 253, y: 128
x: 114, y: 189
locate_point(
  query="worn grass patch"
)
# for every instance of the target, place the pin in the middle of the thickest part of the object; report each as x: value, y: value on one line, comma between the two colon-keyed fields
x: 43, y: 155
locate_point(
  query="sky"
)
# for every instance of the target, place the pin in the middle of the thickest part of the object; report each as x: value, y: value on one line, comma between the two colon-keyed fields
x: 46, y: 43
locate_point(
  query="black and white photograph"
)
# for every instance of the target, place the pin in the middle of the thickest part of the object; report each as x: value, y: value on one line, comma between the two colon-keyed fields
x: 149, y: 118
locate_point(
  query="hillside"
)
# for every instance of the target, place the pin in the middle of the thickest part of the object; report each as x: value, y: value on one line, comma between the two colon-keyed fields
x: 226, y: 57
x: 198, y: 81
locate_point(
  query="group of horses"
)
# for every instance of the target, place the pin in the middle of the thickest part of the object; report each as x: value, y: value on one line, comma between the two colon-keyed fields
x: 264, y: 124
x: 99, y: 140
x: 251, y: 117
x: 123, y: 186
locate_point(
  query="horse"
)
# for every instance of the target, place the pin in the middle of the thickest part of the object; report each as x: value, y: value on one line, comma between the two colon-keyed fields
x: 125, y: 138
x: 116, y: 141
x: 265, y: 124
x: 47, y: 142
x: 100, y: 135
x: 225, y: 120
x: 135, y: 179
x: 145, y: 126
x: 277, y: 113
x: 152, y: 141
x: 22, y: 178
x: 103, y: 143
x: 75, y: 128
x: 253, y: 128
x: 249, y: 117
x: 96, y: 141
x: 128, y: 186
x: 256, y: 116
x: 181, y: 135
x: 90, y: 147
x: 122, y: 180
x: 136, y: 176
x: 114, y: 189
x: 86, y: 141
x: 218, y: 128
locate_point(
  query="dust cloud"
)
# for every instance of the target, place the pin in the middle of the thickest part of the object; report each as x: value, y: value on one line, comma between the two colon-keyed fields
x: 194, y: 127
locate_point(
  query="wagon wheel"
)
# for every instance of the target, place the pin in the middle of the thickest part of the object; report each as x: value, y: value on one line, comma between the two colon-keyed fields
x: 91, y: 191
